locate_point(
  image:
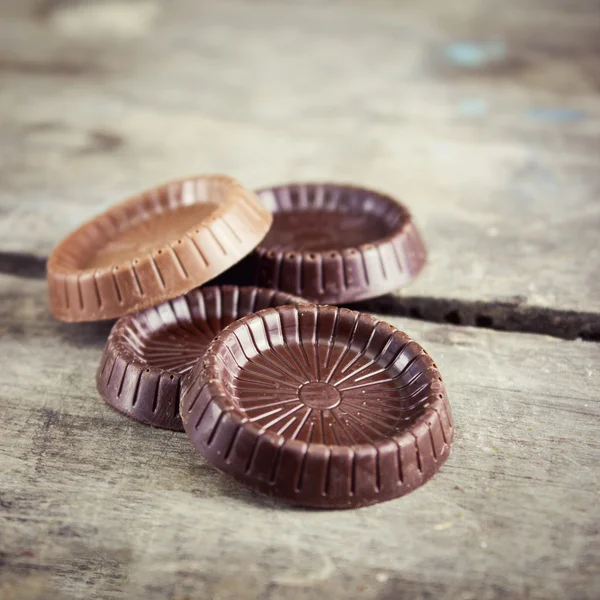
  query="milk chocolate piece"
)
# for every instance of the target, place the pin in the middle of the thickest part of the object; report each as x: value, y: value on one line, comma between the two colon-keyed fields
x: 148, y: 353
x: 154, y: 247
x: 336, y: 243
x: 319, y: 406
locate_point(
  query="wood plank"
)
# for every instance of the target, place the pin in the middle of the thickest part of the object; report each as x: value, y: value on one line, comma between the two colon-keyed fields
x: 93, y: 505
x: 486, y: 127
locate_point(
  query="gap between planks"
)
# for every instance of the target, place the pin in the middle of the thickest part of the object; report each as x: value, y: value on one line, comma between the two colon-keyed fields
x: 501, y: 316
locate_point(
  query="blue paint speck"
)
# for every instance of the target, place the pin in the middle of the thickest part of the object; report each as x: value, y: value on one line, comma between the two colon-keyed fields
x: 472, y: 107
x: 556, y: 114
x: 471, y: 55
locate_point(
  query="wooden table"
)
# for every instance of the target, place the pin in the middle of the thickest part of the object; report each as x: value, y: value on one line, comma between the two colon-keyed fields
x: 484, y: 117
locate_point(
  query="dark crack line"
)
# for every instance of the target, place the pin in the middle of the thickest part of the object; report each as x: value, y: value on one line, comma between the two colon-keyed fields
x: 22, y: 264
x: 500, y: 316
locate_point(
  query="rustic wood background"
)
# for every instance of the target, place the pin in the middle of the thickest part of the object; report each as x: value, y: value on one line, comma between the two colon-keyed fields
x: 483, y: 116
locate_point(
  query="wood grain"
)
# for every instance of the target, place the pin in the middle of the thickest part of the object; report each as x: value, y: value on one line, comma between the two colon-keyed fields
x: 484, y: 119
x: 93, y: 505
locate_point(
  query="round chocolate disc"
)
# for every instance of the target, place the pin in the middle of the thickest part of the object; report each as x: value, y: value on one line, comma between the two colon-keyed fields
x: 337, y: 243
x: 154, y: 247
x: 148, y: 353
x: 319, y: 406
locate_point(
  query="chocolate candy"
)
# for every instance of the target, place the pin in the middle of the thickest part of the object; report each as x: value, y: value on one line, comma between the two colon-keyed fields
x: 148, y: 353
x: 319, y: 406
x: 337, y: 243
x: 154, y: 247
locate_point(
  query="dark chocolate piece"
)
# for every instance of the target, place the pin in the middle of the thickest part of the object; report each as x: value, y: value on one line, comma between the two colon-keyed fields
x: 154, y: 247
x: 319, y: 406
x: 336, y: 243
x: 148, y: 353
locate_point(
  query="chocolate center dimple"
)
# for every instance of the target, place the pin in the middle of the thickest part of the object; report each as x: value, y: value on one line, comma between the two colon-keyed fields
x: 321, y: 396
x: 322, y: 230
x: 144, y: 235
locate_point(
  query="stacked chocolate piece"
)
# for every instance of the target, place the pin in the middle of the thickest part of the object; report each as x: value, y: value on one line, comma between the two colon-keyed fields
x: 295, y: 398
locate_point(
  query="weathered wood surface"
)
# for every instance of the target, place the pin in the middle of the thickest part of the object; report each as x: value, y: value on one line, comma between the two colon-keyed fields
x: 93, y: 505
x: 484, y: 118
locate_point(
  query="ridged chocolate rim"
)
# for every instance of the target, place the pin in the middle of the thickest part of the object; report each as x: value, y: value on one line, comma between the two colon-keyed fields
x: 319, y: 406
x: 342, y: 273
x: 147, y: 354
x: 154, y: 273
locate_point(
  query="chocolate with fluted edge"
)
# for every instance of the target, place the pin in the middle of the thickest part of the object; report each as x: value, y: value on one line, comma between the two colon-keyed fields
x: 154, y: 247
x: 148, y: 353
x: 319, y: 406
x: 336, y: 243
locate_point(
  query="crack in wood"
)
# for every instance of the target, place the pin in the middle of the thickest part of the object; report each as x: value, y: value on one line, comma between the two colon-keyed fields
x: 23, y: 264
x: 500, y: 316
